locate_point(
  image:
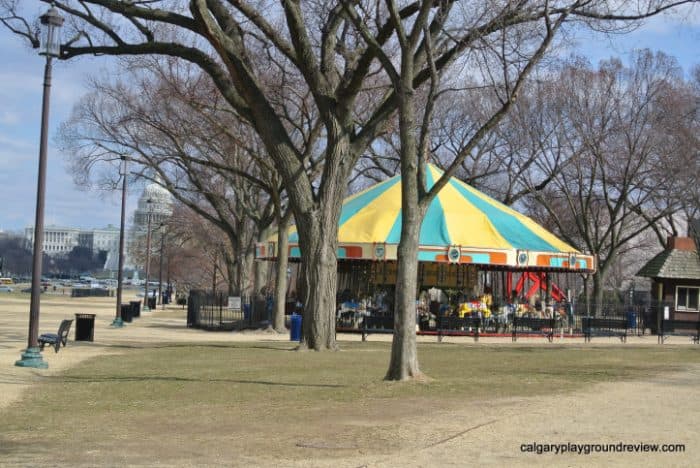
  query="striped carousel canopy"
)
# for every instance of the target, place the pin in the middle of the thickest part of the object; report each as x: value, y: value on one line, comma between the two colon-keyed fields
x: 462, y: 225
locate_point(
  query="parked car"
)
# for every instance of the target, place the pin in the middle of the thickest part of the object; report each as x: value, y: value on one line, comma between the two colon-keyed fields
x: 5, y: 288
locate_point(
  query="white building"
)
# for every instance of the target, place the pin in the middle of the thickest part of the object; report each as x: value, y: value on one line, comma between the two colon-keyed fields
x: 105, y: 239
x: 60, y: 240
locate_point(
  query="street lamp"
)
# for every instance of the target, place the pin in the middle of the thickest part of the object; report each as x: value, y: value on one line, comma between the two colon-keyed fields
x: 50, y: 47
x: 118, y: 323
x: 149, y: 203
x: 161, y: 228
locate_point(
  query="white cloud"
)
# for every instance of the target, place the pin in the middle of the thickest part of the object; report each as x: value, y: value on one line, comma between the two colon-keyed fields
x: 9, y: 118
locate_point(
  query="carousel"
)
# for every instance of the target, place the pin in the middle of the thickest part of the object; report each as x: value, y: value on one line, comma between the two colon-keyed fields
x: 476, y: 255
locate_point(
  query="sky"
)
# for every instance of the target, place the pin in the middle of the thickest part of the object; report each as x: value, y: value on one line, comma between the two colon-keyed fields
x: 21, y: 71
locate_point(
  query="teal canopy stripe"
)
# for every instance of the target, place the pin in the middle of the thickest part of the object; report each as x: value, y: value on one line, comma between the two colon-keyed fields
x: 507, y: 225
x: 434, y: 230
x: 395, y: 234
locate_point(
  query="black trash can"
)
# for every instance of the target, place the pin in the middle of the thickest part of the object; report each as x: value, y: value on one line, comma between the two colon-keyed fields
x: 135, y: 308
x: 85, y: 327
x: 151, y: 302
x: 126, y: 313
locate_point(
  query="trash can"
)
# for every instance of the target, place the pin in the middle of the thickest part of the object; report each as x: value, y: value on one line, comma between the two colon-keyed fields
x: 631, y: 319
x: 246, y: 311
x: 85, y: 327
x: 126, y: 313
x: 295, y: 328
x: 151, y: 303
x: 166, y: 298
x: 135, y: 308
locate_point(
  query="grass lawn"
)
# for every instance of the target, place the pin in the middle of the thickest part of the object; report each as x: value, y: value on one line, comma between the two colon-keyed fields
x: 203, y: 403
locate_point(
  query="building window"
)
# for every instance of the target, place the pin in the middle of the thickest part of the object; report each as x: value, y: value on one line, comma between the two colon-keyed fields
x: 687, y: 298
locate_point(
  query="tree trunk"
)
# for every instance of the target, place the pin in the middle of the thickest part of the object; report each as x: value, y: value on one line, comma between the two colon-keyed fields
x: 318, y: 232
x: 261, y: 268
x: 317, y: 226
x: 598, y: 278
x: 231, y: 273
x: 281, y: 279
x: 245, y: 285
x: 404, y: 354
x: 587, y: 295
x: 319, y: 277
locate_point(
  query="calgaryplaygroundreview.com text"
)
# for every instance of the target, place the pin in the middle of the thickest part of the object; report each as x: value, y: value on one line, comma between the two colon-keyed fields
x: 587, y: 449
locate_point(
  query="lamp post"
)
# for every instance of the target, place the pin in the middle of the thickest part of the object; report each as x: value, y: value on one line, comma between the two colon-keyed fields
x: 118, y: 323
x: 50, y: 47
x: 149, y: 202
x: 160, y: 268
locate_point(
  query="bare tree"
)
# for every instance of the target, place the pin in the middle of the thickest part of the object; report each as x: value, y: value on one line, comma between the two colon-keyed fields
x: 505, y: 54
x: 200, y: 253
x: 420, y: 44
x: 617, y: 179
x: 201, y: 164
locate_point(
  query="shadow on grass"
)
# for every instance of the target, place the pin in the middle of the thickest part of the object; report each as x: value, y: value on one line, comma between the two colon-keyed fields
x: 24, y: 451
x: 231, y: 346
x: 167, y: 326
x: 135, y: 378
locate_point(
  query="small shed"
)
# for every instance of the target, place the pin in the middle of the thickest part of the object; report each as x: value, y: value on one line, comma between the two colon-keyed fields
x: 675, y: 275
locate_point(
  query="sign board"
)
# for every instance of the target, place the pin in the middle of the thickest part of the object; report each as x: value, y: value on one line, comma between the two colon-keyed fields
x: 234, y: 302
x: 522, y: 258
x: 453, y: 254
x: 379, y: 251
x: 667, y: 313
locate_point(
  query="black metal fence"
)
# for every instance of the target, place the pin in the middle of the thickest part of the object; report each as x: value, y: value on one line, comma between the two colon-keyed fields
x: 568, y: 320
x: 91, y: 292
x: 212, y: 311
x: 643, y: 319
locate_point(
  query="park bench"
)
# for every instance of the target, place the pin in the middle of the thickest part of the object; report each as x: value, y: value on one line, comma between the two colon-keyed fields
x: 58, y: 338
x: 458, y: 326
x: 602, y: 326
x: 377, y: 324
x: 534, y: 326
x: 677, y: 327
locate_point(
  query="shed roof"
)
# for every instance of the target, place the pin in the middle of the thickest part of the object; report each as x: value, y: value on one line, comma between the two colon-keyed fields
x: 673, y: 263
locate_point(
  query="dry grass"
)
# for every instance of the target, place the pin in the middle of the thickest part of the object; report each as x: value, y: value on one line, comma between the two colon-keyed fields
x: 204, y: 404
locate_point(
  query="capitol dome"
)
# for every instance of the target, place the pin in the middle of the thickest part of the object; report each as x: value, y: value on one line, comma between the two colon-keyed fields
x: 161, y: 206
x: 157, y: 193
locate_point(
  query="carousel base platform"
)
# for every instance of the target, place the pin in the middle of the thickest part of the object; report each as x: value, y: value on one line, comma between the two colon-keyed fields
x: 454, y: 333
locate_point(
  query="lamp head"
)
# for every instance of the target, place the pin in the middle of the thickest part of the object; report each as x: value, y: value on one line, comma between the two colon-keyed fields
x: 50, y: 38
